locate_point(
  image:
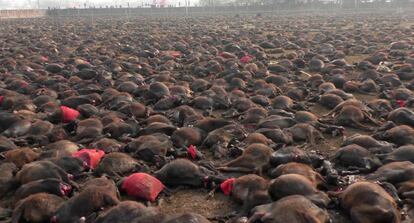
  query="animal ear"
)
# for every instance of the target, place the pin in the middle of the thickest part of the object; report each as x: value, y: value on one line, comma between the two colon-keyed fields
x: 367, y: 162
x: 319, y: 200
x: 391, y: 190
x: 110, y: 201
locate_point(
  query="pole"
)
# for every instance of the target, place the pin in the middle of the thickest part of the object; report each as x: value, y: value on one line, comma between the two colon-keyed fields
x: 186, y: 8
x: 92, y: 18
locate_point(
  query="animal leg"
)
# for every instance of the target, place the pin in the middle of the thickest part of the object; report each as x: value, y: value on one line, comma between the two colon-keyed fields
x: 225, y: 217
x: 235, y: 169
x: 332, y: 112
x: 211, y: 194
x: 369, y: 117
x: 256, y: 217
x: 5, y: 213
x: 303, y: 145
x: 326, y: 120
x: 18, y: 213
x: 350, y: 172
x: 359, y: 125
x: 311, y: 138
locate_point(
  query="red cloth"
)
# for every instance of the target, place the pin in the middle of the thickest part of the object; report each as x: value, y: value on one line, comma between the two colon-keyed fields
x: 192, y: 152
x: 142, y: 186
x: 68, y: 114
x: 401, y: 103
x: 44, y: 58
x: 91, y: 157
x: 227, y: 186
x: 1, y: 99
x: 24, y: 84
x: 246, y: 59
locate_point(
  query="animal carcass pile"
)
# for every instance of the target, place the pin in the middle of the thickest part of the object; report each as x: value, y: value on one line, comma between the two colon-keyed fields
x: 225, y: 119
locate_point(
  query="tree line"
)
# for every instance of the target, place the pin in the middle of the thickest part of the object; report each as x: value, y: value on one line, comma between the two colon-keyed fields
x: 309, y: 3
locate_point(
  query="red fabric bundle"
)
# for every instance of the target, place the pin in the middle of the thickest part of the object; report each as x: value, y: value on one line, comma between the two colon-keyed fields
x: 24, y: 84
x: 192, y: 152
x: 142, y: 186
x: 401, y: 103
x: 44, y: 58
x: 227, y: 186
x: 246, y: 59
x: 68, y: 114
x: 1, y: 99
x: 91, y: 157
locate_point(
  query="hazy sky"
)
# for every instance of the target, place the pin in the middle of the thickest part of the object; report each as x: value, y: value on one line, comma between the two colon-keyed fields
x: 16, y: 4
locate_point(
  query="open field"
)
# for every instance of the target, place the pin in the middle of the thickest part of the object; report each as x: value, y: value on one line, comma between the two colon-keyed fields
x: 86, y: 102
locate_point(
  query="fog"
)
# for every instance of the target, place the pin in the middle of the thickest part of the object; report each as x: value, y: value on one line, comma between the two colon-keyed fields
x: 33, y: 4
x: 44, y: 4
